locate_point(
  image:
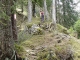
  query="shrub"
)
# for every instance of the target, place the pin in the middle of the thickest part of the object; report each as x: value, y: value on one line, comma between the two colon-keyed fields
x: 72, y: 32
x: 77, y: 27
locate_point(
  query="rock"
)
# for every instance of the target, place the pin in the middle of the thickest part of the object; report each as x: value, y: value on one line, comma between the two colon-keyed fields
x: 26, y: 58
x: 33, y: 28
x: 33, y: 53
x: 79, y: 56
x: 6, y: 58
x: 36, y: 30
x: 59, y: 41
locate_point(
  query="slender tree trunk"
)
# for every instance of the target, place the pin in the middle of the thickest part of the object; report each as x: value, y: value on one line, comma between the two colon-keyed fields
x: 54, y: 13
x: 14, y: 28
x: 13, y: 21
x: 46, y: 14
x: 58, y: 12
x: 22, y: 7
x: 29, y: 10
x: 63, y: 10
x: 33, y: 9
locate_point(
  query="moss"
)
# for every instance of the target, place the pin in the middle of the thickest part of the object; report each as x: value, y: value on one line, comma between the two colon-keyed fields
x: 42, y: 55
x: 62, y: 29
x: 75, y: 44
x: 29, y: 25
x: 37, y: 40
x: 28, y: 44
x: 20, y: 50
x: 33, y: 41
x: 46, y: 54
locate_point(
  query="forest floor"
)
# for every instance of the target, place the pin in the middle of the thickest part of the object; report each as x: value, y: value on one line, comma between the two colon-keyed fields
x: 48, y: 41
x: 37, y: 46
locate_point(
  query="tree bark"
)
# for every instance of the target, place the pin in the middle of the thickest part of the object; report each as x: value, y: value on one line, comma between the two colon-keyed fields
x: 64, y: 10
x: 22, y: 7
x: 54, y: 13
x: 46, y: 15
x: 33, y: 9
x: 14, y: 28
x: 29, y: 10
x: 7, y: 43
x: 13, y: 21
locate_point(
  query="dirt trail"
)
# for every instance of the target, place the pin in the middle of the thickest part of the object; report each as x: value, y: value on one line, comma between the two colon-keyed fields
x: 50, y: 42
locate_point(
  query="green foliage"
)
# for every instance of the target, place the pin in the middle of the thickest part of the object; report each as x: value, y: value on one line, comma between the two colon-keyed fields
x: 28, y: 44
x: 77, y: 26
x: 76, y: 47
x: 69, y: 16
x: 71, y: 30
x: 19, y: 48
x: 34, y: 40
x: 23, y: 35
x: 4, y: 15
x: 20, y: 2
x: 40, y: 3
x: 48, y: 2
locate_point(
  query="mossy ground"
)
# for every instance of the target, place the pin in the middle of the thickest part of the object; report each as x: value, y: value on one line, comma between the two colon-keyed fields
x: 46, y: 41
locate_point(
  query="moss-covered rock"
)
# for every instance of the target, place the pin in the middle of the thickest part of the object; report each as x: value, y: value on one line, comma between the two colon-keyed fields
x: 39, y: 31
x: 29, y: 25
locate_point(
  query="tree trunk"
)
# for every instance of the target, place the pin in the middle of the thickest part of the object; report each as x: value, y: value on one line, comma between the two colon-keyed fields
x: 54, y: 13
x: 58, y: 12
x: 33, y: 9
x: 22, y: 7
x: 13, y: 21
x: 46, y: 14
x: 29, y: 10
x: 7, y: 43
x: 63, y: 10
x: 14, y: 28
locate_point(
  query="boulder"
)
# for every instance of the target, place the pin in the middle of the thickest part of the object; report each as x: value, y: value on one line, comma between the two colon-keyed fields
x: 35, y: 30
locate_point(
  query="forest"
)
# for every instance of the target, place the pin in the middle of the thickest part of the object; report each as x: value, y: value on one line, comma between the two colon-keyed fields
x: 39, y: 30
